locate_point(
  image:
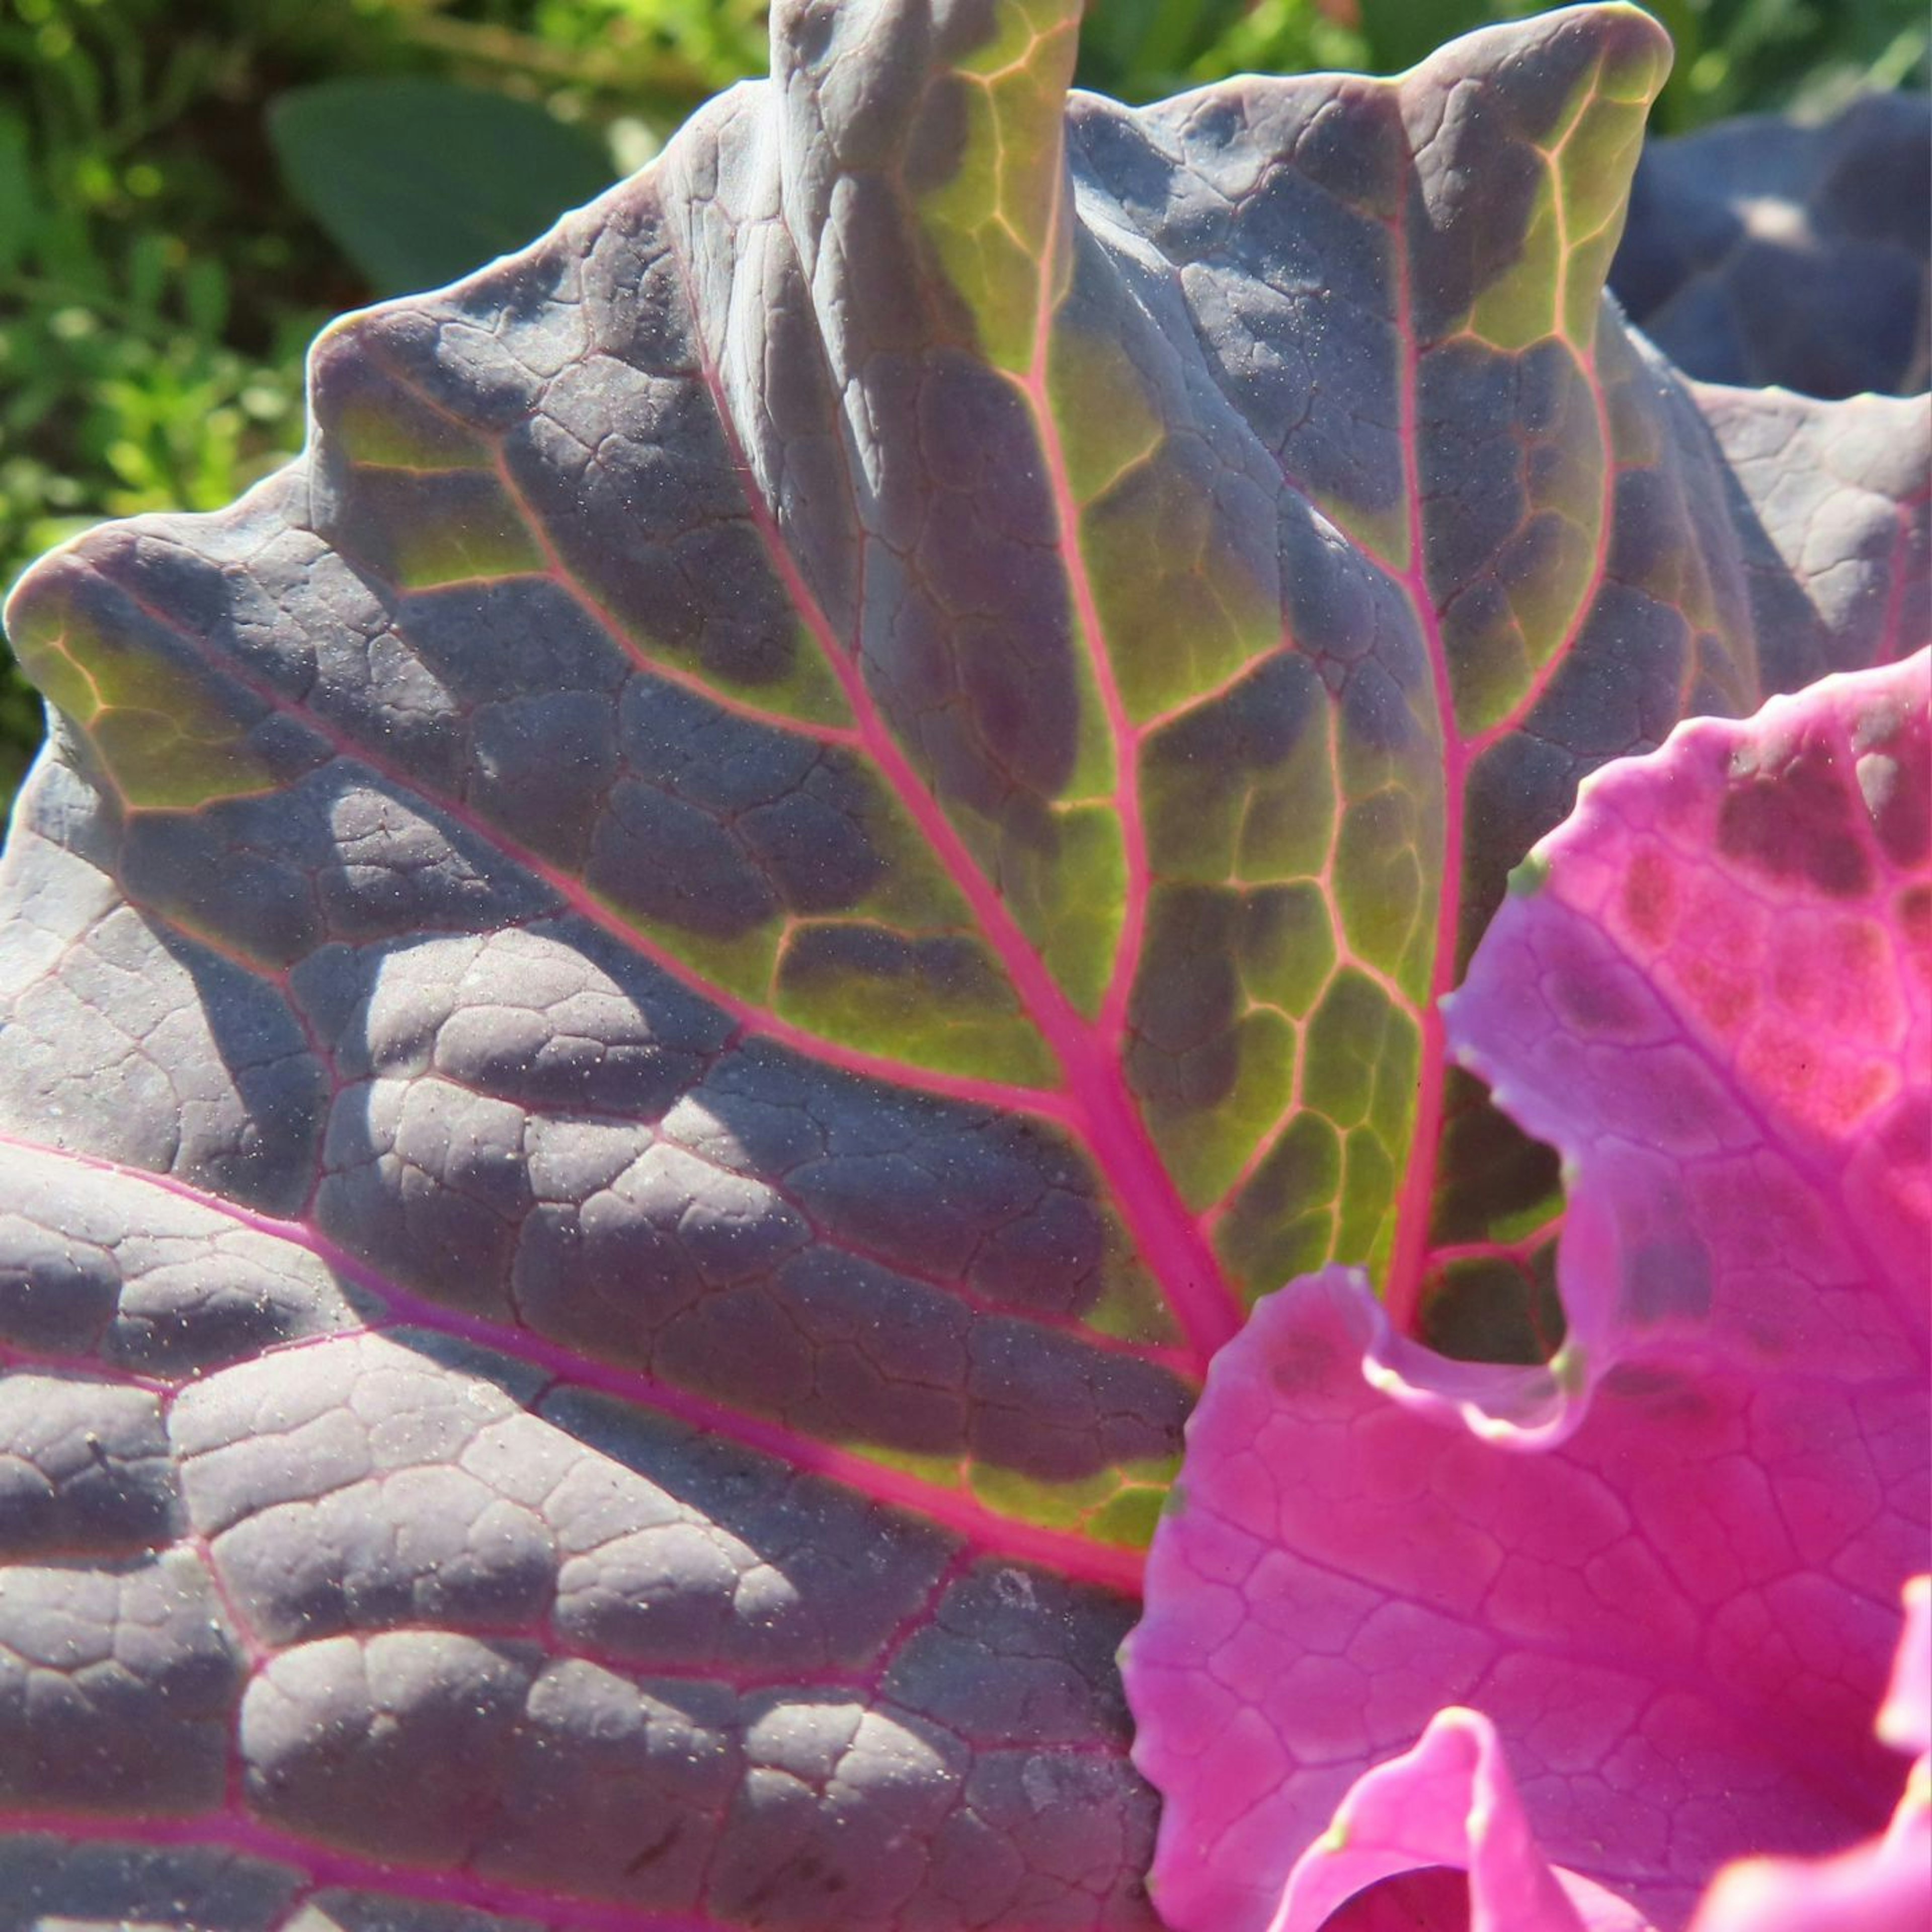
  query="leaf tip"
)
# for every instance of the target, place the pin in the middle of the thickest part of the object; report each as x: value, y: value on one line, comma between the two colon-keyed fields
x: 1636, y: 69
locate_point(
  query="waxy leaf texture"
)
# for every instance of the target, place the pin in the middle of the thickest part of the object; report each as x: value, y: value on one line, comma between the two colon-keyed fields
x: 1663, y: 1570
x: 658, y: 1006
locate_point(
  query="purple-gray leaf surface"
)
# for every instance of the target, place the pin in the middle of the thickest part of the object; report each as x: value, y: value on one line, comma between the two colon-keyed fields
x: 657, y: 1007
x: 1768, y: 251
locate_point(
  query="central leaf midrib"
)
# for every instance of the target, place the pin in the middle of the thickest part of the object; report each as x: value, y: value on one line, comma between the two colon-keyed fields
x: 1099, y: 1111
x: 1414, y: 1204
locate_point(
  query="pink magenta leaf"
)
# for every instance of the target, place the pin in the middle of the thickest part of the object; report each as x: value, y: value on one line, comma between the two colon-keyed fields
x: 1662, y: 1566
x: 1883, y: 1885
x: 1905, y: 1718
x: 1448, y: 1803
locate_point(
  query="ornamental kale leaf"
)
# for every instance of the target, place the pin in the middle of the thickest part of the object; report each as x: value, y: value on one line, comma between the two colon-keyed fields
x: 657, y: 1007
x: 1665, y: 1568
x: 1767, y: 251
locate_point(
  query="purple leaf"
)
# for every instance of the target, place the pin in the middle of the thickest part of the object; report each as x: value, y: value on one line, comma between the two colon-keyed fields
x: 658, y: 1006
x: 1661, y: 1567
x: 1763, y: 251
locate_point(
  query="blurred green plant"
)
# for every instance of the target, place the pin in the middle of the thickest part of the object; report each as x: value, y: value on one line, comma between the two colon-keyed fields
x: 419, y: 180
x: 180, y: 210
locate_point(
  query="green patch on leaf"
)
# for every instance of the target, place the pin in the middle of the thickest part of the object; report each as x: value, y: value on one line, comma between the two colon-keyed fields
x: 1525, y: 610
x: 1207, y: 1147
x: 940, y: 1002
x: 1282, y: 1222
x: 382, y: 437
x: 171, y: 737
x: 1554, y: 286
x: 1065, y: 884
x: 1286, y: 945
x: 1243, y: 786
x: 805, y: 688
x: 463, y: 527
x: 1370, y: 1175
x: 1065, y: 1505
x: 1130, y: 1518
x: 1121, y: 1506
x: 1131, y: 1306
x: 1530, y: 878
x: 1181, y: 558
x: 1380, y: 872
x: 992, y: 222
x: 1107, y: 416
x: 1347, y: 1038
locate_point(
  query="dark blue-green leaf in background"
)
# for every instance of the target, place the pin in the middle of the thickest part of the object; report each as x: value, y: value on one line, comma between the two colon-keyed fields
x: 421, y: 180
x: 16, y: 188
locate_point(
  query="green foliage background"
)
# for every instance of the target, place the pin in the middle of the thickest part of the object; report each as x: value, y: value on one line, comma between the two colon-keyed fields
x: 178, y: 214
